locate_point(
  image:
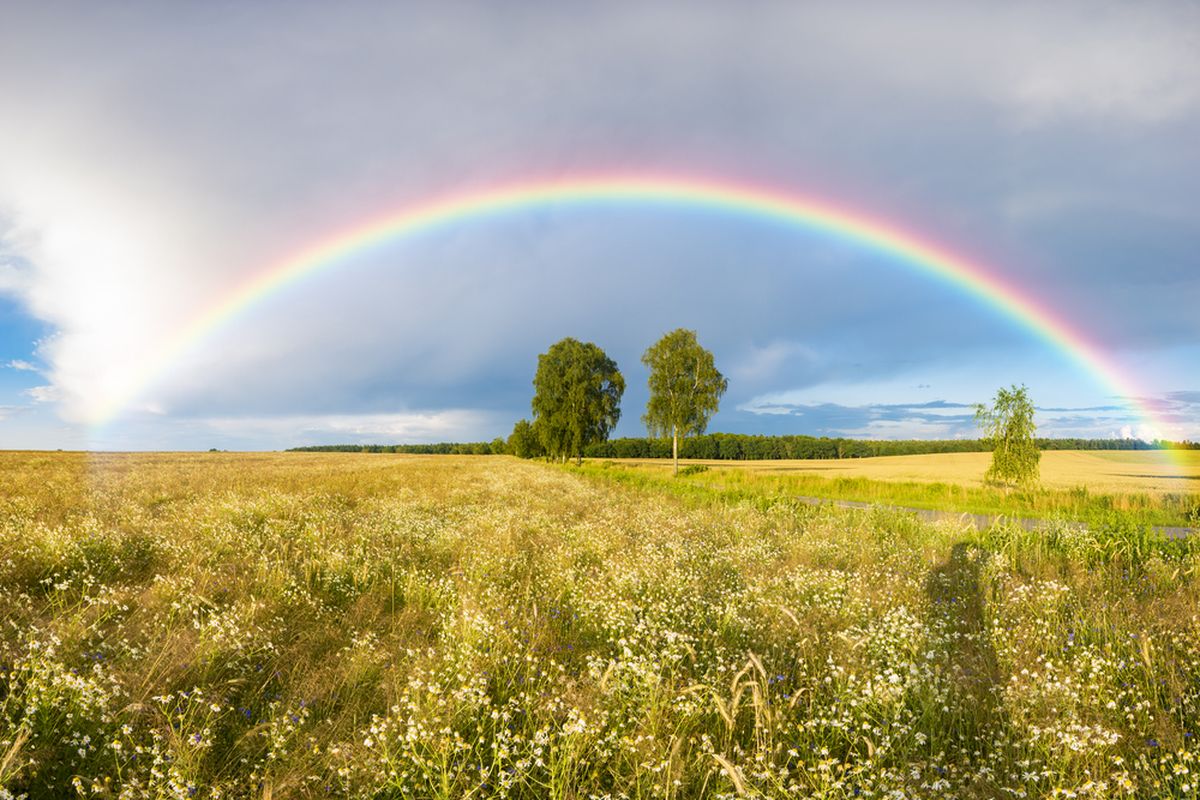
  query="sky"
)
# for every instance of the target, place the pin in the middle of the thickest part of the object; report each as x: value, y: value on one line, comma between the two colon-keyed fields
x: 154, y: 157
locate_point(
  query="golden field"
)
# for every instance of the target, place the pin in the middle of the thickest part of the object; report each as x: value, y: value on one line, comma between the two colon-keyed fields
x: 384, y: 626
x: 1114, y: 471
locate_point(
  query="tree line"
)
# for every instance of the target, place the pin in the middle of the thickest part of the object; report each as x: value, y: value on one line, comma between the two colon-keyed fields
x: 752, y: 447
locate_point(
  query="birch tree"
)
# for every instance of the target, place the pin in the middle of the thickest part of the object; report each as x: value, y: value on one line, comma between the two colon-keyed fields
x: 685, y: 388
x: 1008, y: 424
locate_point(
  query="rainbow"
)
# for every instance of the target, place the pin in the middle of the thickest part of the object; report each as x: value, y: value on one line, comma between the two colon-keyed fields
x: 677, y: 192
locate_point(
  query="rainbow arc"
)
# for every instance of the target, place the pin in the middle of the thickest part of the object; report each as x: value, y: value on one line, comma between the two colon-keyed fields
x: 907, y: 248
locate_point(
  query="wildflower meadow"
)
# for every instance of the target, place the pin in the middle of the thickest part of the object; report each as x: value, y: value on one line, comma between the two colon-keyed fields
x: 385, y: 626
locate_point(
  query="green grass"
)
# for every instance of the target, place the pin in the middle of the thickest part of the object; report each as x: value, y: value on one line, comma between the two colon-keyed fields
x: 379, y: 626
x: 1079, y: 504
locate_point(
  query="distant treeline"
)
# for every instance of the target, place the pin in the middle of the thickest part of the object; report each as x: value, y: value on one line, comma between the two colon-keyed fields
x: 497, y: 447
x: 745, y: 447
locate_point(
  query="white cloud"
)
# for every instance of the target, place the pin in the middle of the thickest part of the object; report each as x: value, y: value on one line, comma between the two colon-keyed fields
x: 905, y: 429
x: 12, y: 280
x: 113, y: 266
x: 1146, y: 433
x: 415, y: 427
x: 44, y: 394
x: 21, y: 365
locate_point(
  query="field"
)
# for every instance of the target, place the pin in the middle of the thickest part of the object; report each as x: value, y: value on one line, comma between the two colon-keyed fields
x: 1114, y: 471
x: 354, y: 625
x: 1147, y: 486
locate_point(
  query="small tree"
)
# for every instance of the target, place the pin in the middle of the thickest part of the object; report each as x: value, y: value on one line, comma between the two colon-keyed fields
x: 1008, y: 424
x: 577, y: 398
x: 523, y: 442
x: 685, y: 388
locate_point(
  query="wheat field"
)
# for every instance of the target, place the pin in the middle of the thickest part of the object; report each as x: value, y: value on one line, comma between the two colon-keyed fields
x: 382, y: 626
x: 1116, y: 471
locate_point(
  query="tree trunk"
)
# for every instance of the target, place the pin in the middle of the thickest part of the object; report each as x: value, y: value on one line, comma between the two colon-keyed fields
x: 675, y: 448
x: 579, y: 459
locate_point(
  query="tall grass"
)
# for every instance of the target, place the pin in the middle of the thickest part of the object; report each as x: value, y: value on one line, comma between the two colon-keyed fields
x: 1079, y: 503
x: 375, y: 626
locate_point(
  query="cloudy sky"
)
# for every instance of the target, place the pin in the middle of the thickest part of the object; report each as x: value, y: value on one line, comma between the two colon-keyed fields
x: 155, y: 156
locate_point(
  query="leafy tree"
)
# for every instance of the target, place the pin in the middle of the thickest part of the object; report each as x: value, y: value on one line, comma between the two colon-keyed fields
x: 685, y: 388
x: 1008, y: 426
x: 523, y: 441
x: 577, y: 397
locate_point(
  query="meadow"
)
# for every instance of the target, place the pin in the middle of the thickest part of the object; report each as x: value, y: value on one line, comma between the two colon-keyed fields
x: 1146, y: 487
x: 388, y: 626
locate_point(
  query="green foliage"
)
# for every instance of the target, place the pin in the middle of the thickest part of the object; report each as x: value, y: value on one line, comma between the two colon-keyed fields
x: 523, y: 441
x: 1008, y: 425
x: 577, y: 397
x: 751, y: 447
x: 1038, y: 502
x: 685, y: 387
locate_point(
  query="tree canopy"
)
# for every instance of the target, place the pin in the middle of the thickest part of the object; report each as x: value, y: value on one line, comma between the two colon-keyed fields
x: 685, y: 387
x: 577, y: 397
x: 523, y: 441
x: 1008, y: 425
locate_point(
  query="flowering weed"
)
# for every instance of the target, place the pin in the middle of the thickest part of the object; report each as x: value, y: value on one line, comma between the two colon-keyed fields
x: 371, y: 626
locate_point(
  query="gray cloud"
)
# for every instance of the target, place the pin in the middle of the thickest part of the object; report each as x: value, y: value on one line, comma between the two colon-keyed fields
x: 1054, y: 142
x: 1185, y: 398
